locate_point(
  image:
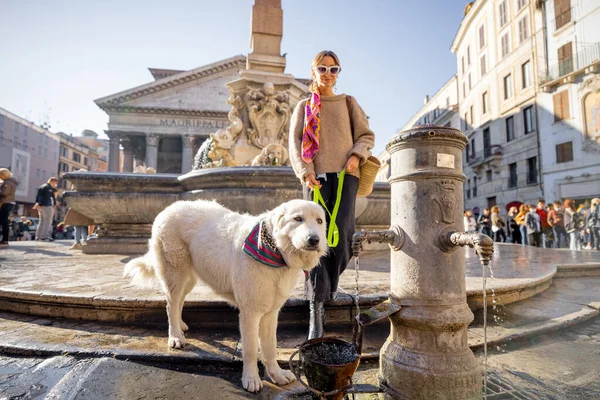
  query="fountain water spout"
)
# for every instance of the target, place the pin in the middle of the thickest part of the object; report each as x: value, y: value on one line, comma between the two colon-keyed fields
x: 449, y: 239
x: 394, y: 237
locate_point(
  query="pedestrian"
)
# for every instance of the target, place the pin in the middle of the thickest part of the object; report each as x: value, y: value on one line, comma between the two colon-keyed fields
x: 534, y: 226
x: 329, y: 134
x: 469, y: 221
x: 594, y: 223
x: 26, y: 224
x: 45, y: 203
x: 556, y: 220
x: 572, y: 221
x: 513, y: 227
x: 520, y: 219
x: 498, y: 225
x: 546, y: 229
x: 485, y: 222
x: 81, y: 223
x: 7, y: 201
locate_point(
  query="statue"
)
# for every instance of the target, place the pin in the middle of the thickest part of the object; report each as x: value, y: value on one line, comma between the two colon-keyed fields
x: 214, y: 152
x: 272, y: 155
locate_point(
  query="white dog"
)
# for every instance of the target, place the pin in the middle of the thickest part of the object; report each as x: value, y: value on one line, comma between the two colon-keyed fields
x: 194, y: 240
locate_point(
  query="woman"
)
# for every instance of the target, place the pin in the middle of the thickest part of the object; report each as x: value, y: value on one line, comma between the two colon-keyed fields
x: 498, y: 225
x: 572, y: 224
x: 520, y: 220
x: 329, y: 133
x: 514, y: 231
x: 7, y: 200
x: 469, y: 221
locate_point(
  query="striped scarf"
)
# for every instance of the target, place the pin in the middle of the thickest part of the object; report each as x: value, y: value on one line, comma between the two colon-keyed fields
x: 312, y: 128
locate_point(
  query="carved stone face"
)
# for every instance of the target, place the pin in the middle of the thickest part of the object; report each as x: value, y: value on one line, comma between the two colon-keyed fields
x: 269, y: 89
x: 276, y: 151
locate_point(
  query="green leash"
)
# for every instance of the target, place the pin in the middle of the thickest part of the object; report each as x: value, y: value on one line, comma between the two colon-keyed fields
x: 333, y: 233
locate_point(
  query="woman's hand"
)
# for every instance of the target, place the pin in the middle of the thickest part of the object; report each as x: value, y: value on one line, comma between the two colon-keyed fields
x: 352, y: 163
x: 312, y: 181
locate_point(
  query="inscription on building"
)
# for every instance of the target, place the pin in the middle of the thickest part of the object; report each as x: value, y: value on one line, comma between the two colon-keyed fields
x: 194, y: 123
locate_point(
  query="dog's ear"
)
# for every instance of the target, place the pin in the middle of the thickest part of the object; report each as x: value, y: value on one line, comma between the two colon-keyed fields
x: 277, y: 218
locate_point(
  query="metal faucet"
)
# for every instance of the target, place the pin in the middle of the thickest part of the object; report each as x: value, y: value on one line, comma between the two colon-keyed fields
x: 394, y: 237
x: 449, y: 239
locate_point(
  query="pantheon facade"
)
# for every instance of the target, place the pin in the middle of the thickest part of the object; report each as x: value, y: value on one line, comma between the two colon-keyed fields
x: 163, y: 123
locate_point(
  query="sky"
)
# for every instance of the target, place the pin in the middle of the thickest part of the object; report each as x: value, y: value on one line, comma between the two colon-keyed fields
x: 58, y: 56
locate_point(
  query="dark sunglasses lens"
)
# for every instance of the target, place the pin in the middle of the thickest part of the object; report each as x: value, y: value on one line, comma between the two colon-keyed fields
x: 334, y: 70
x: 322, y: 70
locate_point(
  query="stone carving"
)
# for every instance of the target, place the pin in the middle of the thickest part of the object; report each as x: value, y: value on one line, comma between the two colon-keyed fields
x: 142, y: 169
x: 272, y: 155
x: 591, y: 109
x: 446, y: 200
x: 236, y: 124
x: 152, y: 140
x: 214, y: 152
x: 187, y: 140
x: 269, y: 115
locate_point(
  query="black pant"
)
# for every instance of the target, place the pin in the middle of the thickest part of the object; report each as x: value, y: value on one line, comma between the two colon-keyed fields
x: 4, y: 214
x: 595, y: 238
x: 500, y: 236
x: 322, y: 281
x: 534, y: 239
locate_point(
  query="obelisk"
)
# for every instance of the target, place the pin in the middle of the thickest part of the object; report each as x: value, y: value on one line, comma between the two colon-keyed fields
x: 265, y: 39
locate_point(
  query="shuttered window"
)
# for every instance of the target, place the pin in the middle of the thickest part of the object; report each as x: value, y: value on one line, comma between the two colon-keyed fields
x: 562, y: 12
x: 561, y: 106
x: 565, y: 59
x: 564, y: 152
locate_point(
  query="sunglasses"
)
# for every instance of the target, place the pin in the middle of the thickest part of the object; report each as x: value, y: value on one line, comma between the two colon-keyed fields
x: 333, y: 69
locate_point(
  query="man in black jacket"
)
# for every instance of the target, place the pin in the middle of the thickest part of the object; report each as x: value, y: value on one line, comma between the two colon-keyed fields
x: 45, y: 202
x: 485, y: 222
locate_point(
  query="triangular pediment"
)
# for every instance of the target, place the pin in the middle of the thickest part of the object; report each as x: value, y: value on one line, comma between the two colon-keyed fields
x: 196, y: 89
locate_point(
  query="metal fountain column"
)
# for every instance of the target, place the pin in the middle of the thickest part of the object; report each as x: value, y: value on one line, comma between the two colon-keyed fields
x: 426, y: 355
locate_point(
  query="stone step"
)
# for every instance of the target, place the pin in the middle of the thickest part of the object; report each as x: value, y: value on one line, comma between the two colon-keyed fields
x: 568, y: 302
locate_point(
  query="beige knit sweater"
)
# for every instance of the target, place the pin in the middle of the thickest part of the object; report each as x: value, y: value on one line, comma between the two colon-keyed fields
x: 336, y: 143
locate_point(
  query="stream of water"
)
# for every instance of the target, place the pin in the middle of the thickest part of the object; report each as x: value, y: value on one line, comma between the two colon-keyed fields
x: 484, y: 273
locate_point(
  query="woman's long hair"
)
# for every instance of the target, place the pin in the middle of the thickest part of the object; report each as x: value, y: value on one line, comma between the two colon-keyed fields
x: 313, y: 83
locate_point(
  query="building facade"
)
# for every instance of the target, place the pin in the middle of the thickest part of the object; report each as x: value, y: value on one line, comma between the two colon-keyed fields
x: 496, y: 64
x: 569, y: 98
x: 441, y: 109
x: 31, y: 153
x: 99, y: 156
x: 163, y: 123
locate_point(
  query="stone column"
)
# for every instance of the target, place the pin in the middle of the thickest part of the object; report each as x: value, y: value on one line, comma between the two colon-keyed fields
x: 427, y: 355
x: 187, y: 156
x: 113, y: 151
x: 127, y: 154
x: 152, y: 150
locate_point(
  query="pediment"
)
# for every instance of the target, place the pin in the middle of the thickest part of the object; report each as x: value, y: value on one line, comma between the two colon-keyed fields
x: 199, y: 89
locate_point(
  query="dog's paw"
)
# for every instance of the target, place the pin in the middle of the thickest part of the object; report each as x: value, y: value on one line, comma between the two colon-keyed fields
x: 281, y: 376
x: 184, y: 327
x: 252, y: 382
x: 176, y: 343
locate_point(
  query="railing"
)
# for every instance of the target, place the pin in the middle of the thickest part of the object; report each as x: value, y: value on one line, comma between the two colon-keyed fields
x: 483, y: 156
x: 563, y: 18
x: 584, y: 58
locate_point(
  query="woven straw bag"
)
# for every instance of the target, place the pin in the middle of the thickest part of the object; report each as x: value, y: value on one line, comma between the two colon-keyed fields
x: 368, y: 171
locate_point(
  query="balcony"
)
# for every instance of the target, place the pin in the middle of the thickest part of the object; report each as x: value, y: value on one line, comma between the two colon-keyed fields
x: 489, y: 156
x: 588, y: 57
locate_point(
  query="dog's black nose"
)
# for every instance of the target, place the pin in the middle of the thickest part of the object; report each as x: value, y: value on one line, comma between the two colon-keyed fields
x: 313, y: 240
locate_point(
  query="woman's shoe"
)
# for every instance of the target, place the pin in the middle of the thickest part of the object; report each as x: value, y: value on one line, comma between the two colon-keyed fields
x: 316, y: 327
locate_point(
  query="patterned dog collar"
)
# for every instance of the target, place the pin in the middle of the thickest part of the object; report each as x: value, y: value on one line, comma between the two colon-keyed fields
x: 260, y: 245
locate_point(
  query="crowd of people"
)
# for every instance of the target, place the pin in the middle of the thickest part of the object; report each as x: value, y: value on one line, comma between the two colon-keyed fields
x: 558, y: 224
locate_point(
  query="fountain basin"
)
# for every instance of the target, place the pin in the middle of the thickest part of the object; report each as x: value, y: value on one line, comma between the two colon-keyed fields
x: 125, y: 205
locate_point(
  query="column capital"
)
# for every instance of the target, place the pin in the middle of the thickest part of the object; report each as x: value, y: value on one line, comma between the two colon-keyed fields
x: 152, y: 139
x: 188, y: 140
x: 113, y: 135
